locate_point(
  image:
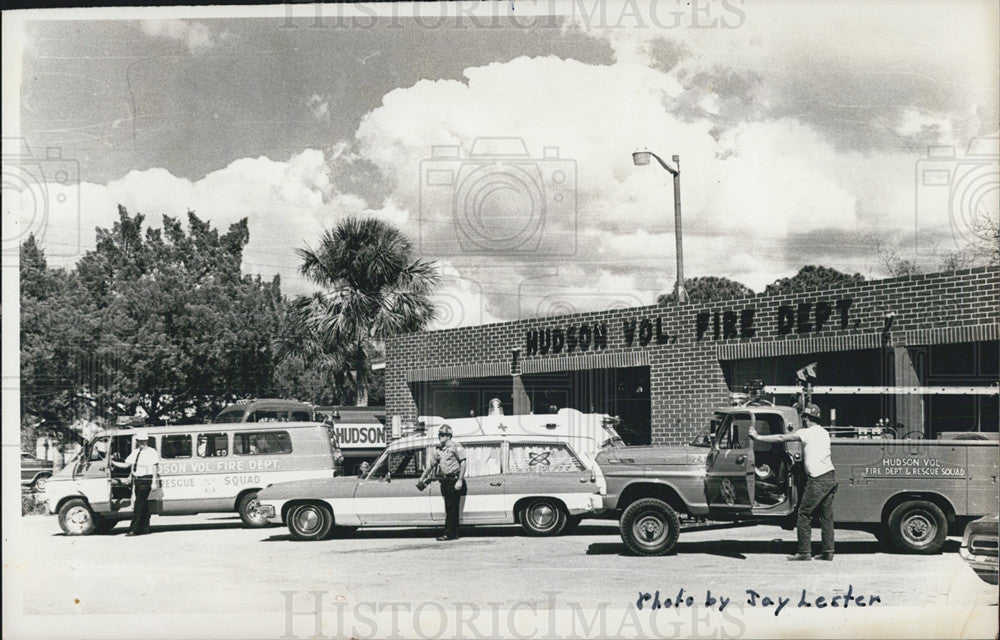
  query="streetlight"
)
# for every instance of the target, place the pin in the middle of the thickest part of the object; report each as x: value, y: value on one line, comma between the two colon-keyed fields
x: 641, y: 159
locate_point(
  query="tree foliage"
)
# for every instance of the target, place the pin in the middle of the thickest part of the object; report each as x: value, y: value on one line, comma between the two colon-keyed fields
x: 157, y: 319
x: 812, y: 276
x: 707, y: 289
x: 373, y: 288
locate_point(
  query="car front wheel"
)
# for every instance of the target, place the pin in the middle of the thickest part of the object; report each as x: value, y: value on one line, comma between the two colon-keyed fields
x: 310, y: 521
x: 543, y: 517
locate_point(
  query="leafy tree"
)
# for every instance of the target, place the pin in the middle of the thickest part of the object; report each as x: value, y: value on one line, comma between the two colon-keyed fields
x: 58, y: 331
x: 373, y: 288
x: 180, y: 330
x: 812, y: 276
x: 706, y: 289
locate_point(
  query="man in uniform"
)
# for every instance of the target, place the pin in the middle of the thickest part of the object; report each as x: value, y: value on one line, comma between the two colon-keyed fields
x: 145, y: 464
x: 821, y: 485
x: 448, y: 458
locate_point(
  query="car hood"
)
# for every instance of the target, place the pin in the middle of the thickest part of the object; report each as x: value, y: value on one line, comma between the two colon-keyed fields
x: 686, y: 456
x: 334, y: 487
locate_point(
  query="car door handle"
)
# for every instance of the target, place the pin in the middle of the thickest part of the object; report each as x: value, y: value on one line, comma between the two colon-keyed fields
x: 741, y: 459
x: 584, y: 480
x: 496, y: 484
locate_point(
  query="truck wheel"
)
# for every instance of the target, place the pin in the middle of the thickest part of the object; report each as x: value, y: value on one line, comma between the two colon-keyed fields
x: 249, y: 509
x: 918, y: 527
x: 76, y: 518
x: 650, y: 527
x: 310, y: 522
x: 543, y: 517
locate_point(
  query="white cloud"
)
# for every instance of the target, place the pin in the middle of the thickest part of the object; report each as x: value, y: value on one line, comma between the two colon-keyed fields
x: 319, y: 107
x: 195, y: 35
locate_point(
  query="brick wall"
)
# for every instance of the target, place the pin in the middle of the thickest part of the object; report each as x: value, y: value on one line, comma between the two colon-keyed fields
x: 686, y: 376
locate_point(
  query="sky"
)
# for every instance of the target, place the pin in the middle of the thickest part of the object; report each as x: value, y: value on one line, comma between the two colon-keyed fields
x: 501, y: 141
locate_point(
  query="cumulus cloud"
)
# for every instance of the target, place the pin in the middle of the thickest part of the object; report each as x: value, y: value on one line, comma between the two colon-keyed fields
x: 195, y: 35
x: 319, y: 107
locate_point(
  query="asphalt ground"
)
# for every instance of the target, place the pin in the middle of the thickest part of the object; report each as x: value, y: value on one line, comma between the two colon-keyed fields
x: 211, y: 564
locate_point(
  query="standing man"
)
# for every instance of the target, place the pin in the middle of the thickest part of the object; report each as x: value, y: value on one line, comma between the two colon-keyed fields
x: 145, y: 464
x: 448, y: 458
x: 821, y: 485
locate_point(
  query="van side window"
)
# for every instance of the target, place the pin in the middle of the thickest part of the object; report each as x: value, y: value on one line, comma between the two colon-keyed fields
x: 176, y: 446
x: 259, y: 443
x: 213, y: 445
x: 301, y: 416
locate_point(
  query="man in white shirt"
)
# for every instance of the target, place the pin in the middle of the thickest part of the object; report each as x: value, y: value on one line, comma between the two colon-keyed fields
x: 145, y: 464
x: 821, y: 485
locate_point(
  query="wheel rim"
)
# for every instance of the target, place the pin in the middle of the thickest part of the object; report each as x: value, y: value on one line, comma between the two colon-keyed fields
x: 253, y: 511
x: 78, y: 519
x: 542, y: 516
x: 40, y: 484
x: 307, y: 520
x: 919, y: 528
x: 649, y: 530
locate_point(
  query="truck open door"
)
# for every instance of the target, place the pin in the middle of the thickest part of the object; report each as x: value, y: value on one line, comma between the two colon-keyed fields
x: 729, y: 473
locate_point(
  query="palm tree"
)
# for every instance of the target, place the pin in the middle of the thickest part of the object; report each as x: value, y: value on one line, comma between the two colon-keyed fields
x: 374, y: 288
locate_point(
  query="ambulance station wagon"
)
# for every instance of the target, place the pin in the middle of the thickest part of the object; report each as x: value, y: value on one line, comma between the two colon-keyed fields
x: 204, y: 468
x: 539, y: 482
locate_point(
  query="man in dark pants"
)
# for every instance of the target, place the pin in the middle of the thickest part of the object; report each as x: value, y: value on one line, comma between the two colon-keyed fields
x: 448, y: 458
x: 145, y: 464
x: 821, y: 484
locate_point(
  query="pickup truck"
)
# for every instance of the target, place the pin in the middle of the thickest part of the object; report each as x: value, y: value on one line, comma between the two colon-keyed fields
x: 909, y: 493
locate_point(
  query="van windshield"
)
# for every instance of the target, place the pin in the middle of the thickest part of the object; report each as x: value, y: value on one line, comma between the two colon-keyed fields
x: 230, y: 416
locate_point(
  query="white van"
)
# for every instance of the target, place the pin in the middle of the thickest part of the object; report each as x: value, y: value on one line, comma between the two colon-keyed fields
x: 203, y: 468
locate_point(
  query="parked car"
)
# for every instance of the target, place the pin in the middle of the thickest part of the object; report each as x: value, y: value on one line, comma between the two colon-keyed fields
x: 539, y: 482
x: 35, y: 472
x: 979, y: 547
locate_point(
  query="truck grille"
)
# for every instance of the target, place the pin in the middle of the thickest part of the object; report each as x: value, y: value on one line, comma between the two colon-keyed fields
x: 983, y: 547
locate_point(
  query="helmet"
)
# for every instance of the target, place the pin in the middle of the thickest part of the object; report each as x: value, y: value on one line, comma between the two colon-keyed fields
x: 811, y: 411
x: 444, y: 430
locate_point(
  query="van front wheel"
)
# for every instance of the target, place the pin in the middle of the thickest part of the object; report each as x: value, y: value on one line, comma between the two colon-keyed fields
x: 249, y: 509
x: 76, y: 518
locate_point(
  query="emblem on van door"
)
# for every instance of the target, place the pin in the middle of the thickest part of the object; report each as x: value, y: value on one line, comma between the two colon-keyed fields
x: 728, y: 492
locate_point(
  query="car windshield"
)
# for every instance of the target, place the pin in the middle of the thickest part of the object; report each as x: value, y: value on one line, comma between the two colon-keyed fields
x: 230, y: 416
x: 378, y: 469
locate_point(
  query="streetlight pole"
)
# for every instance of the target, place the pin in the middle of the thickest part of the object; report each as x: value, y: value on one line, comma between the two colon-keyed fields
x: 641, y: 158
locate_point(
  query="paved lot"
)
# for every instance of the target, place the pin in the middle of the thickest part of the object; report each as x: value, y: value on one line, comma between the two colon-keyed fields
x: 210, y: 563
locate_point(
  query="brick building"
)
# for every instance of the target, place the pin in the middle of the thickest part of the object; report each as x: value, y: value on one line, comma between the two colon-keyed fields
x: 663, y: 368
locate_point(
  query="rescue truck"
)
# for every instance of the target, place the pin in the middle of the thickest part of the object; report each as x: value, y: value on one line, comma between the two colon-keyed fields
x: 909, y: 492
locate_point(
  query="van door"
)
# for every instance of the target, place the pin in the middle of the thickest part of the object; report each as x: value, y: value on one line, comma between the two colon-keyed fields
x: 119, y: 485
x: 729, y: 479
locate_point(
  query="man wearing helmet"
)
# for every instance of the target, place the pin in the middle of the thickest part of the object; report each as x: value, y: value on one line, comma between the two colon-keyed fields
x: 448, y: 457
x: 821, y: 485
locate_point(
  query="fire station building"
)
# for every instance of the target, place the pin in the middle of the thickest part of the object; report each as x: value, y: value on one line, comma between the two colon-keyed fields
x: 663, y: 368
